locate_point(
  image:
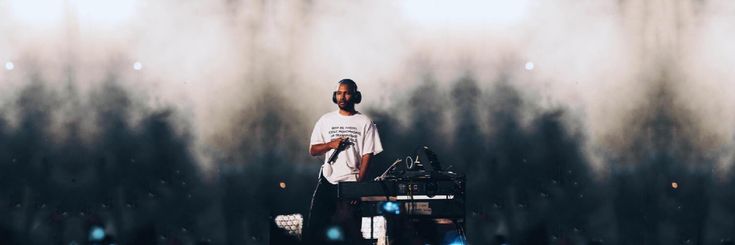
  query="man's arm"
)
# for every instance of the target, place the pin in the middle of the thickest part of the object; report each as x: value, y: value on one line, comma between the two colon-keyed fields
x: 364, y: 162
x: 321, y: 149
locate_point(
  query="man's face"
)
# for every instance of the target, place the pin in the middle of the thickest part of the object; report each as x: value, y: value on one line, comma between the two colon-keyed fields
x: 344, y: 97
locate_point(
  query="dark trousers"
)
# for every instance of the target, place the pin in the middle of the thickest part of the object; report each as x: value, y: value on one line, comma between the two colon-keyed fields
x: 331, y: 221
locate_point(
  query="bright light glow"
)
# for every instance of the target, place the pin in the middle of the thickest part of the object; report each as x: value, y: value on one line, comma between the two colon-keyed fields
x: 88, y: 12
x: 334, y: 234
x: 9, y: 66
x: 36, y: 12
x: 104, y: 13
x: 529, y: 66
x: 378, y: 227
x: 97, y: 234
x: 137, y: 66
x: 453, y: 238
x: 496, y: 13
x: 293, y: 223
x: 391, y: 207
x: 674, y: 185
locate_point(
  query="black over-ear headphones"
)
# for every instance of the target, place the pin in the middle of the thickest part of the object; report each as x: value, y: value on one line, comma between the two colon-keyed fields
x: 356, y: 97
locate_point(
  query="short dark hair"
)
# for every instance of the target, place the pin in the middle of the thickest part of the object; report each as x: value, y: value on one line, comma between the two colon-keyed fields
x: 349, y: 82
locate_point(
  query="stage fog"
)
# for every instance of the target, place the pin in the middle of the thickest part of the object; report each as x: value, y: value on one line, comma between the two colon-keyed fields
x: 188, y: 122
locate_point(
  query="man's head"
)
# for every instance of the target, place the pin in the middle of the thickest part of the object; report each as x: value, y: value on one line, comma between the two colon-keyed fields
x: 346, y: 95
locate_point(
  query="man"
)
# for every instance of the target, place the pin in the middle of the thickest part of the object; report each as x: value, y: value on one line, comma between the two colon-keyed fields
x: 354, y: 138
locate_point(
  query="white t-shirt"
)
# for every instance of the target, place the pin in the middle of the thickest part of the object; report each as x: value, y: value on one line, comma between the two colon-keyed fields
x: 363, y: 137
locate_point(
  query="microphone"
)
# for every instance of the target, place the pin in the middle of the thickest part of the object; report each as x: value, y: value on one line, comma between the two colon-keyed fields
x: 327, y: 167
x: 341, y: 147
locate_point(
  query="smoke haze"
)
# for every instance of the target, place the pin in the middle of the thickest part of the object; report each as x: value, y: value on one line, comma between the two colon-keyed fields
x: 170, y: 121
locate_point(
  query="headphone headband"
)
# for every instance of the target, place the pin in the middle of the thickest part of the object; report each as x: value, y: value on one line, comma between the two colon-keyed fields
x: 348, y: 81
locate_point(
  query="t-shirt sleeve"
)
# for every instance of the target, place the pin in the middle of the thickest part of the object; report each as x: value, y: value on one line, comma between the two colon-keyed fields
x: 371, y: 142
x: 316, y: 134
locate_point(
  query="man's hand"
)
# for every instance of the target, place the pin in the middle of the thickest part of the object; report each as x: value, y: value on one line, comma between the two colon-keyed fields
x: 334, y: 144
x: 364, y: 163
x: 321, y: 149
x: 360, y: 177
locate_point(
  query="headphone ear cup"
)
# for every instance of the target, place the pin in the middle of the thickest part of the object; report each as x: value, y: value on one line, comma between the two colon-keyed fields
x: 358, y: 97
x: 334, y: 97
